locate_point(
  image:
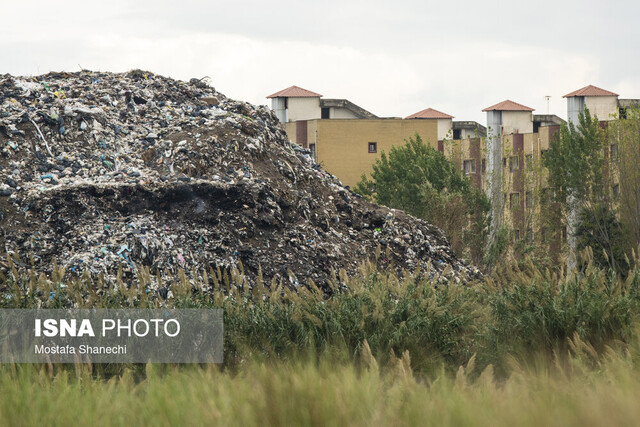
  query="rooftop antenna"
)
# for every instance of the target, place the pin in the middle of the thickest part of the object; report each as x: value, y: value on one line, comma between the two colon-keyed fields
x: 547, y: 97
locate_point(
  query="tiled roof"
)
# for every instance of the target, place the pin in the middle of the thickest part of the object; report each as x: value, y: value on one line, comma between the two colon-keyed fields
x: 294, y: 92
x: 430, y: 113
x: 508, y: 106
x: 590, y: 90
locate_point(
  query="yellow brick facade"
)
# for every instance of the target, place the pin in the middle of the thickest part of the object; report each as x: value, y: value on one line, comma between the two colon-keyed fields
x: 342, y: 146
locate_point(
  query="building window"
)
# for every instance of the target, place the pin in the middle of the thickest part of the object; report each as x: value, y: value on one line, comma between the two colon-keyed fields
x: 324, y: 113
x: 614, y: 152
x: 528, y: 160
x: 514, y: 200
x: 312, y: 148
x: 622, y: 113
x: 457, y: 134
x: 484, y: 165
x: 528, y: 199
x: 514, y: 163
x: 373, y: 147
x: 469, y: 166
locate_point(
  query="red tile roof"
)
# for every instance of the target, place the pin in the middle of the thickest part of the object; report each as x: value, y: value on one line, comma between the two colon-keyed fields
x: 294, y: 92
x: 590, y: 90
x: 508, y: 106
x: 429, y: 113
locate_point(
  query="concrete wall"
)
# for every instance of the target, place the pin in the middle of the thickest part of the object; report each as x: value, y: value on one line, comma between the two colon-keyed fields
x: 602, y: 106
x: 468, y: 133
x: 575, y: 106
x: 494, y: 167
x: 342, y: 146
x: 278, y: 106
x: 341, y: 113
x: 444, y: 129
x: 303, y: 109
x: 517, y: 122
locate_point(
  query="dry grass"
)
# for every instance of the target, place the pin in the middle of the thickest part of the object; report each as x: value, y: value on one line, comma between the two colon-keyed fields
x: 526, y: 347
x: 582, y: 390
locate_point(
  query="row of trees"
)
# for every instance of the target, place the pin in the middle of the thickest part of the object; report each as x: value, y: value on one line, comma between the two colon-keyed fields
x: 595, y: 172
x: 591, y: 182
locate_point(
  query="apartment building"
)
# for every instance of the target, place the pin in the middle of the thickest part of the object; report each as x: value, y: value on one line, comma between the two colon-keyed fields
x: 507, y: 164
x: 504, y: 159
x: 343, y: 137
x: 295, y: 104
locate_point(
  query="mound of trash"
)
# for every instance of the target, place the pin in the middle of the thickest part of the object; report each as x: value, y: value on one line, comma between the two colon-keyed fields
x: 102, y: 171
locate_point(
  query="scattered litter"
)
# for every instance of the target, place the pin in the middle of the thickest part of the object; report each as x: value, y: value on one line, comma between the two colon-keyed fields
x: 155, y: 172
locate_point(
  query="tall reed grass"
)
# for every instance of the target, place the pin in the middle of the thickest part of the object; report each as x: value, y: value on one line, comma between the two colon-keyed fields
x: 519, y: 311
x: 526, y: 346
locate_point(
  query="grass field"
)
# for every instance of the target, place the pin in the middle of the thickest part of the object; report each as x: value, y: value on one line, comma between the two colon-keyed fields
x: 525, y: 347
x: 325, y: 392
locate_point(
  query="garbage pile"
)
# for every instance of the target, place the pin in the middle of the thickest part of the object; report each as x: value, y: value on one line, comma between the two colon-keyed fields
x: 100, y: 171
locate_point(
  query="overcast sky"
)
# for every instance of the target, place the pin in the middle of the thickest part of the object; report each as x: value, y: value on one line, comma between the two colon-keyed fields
x: 391, y: 57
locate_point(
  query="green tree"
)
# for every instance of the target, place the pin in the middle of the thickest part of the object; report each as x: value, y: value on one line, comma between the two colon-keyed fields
x: 575, y: 159
x: 589, y: 235
x: 576, y: 166
x: 624, y: 135
x: 421, y: 181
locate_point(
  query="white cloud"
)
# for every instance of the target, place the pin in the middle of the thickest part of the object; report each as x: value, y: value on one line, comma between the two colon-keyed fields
x: 392, y: 59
